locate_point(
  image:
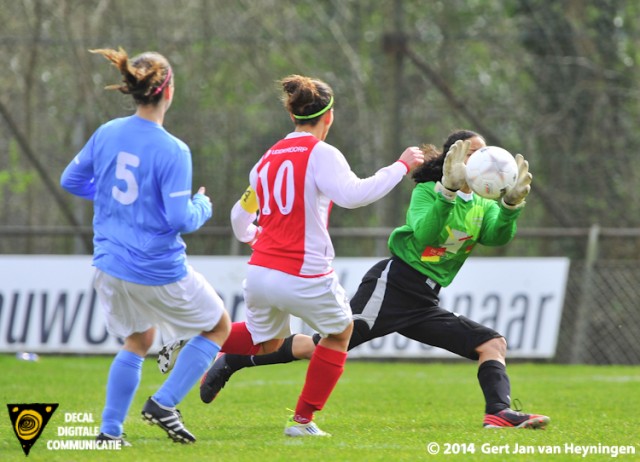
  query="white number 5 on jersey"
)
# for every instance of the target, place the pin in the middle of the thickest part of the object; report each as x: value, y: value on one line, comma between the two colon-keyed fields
x: 122, y: 173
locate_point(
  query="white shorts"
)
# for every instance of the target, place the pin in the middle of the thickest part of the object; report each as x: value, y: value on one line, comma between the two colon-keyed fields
x: 271, y: 296
x: 179, y: 310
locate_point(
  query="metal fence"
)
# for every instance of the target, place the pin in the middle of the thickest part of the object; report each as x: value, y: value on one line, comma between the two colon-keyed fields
x: 601, y: 316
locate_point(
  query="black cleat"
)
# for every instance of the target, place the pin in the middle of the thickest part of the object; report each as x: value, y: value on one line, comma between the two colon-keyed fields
x: 167, y: 418
x: 215, y: 379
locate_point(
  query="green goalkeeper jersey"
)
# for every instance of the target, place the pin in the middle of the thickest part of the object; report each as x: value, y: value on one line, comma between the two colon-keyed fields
x: 439, y: 234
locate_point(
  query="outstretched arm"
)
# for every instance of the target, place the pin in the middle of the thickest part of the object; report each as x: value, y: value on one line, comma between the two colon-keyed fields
x: 337, y: 181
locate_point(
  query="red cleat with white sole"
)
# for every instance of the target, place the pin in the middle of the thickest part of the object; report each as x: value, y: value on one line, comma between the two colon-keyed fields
x: 508, y: 418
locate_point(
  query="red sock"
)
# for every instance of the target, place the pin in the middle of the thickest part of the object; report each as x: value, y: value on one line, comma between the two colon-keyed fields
x: 240, y: 341
x: 325, y: 368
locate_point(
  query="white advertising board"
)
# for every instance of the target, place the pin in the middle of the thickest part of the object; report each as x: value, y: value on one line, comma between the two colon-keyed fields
x: 47, y: 304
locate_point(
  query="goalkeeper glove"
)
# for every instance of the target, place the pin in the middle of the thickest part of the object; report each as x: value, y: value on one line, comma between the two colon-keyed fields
x: 514, y: 197
x: 453, y: 169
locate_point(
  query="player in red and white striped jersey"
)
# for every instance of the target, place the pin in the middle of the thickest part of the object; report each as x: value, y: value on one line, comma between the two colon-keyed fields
x: 292, y: 189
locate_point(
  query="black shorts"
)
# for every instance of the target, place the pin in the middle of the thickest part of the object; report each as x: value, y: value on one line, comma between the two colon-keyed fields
x: 394, y: 297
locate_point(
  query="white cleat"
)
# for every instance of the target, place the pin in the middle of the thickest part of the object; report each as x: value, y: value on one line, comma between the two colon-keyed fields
x: 293, y: 428
x: 168, y: 355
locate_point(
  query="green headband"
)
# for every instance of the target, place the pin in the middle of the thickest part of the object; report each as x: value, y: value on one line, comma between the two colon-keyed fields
x: 317, y: 114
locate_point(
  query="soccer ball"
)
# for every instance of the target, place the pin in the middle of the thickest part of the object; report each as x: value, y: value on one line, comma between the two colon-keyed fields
x: 490, y: 171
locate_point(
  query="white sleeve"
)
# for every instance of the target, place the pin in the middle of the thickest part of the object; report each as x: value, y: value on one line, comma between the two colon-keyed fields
x: 242, y: 223
x: 335, y: 179
x: 244, y: 213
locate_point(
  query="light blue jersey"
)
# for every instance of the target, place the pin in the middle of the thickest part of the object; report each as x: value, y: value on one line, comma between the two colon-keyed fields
x: 139, y: 177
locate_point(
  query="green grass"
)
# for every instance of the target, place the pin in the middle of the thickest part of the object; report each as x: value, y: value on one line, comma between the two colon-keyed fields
x: 378, y: 412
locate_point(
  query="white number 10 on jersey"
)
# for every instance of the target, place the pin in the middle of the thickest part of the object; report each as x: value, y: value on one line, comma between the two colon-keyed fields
x: 284, y: 176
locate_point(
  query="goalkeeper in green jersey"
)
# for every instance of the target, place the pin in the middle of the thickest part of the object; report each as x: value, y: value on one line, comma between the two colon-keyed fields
x: 445, y: 221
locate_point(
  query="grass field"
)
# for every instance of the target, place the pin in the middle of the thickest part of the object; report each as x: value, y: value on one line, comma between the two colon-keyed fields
x: 379, y: 412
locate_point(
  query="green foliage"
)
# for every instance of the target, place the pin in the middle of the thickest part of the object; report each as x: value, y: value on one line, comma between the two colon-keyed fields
x: 379, y: 411
x: 556, y: 81
x: 15, y: 179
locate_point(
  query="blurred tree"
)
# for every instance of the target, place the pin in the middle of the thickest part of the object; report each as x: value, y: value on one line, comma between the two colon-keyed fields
x: 553, y: 80
x: 582, y: 74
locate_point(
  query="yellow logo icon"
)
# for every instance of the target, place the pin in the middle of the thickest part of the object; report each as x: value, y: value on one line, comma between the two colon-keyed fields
x: 29, y: 420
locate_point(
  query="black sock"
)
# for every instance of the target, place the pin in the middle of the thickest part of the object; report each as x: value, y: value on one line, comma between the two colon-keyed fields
x: 495, y: 385
x: 282, y: 355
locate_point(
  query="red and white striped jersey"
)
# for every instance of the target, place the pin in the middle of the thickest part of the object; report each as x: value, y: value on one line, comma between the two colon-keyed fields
x: 296, y: 183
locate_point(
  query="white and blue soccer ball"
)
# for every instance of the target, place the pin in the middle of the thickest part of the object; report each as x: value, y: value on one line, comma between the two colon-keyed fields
x: 491, y: 171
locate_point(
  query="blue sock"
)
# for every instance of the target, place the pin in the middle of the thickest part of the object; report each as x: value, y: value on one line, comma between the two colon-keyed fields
x: 193, y: 361
x: 123, y: 381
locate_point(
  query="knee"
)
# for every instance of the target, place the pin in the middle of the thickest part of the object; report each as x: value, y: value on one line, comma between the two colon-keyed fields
x: 220, y: 332
x: 339, y: 341
x: 140, y: 343
x: 223, y: 328
x: 495, y: 348
x: 270, y: 346
x: 142, y: 347
x: 345, y: 335
x: 303, y: 346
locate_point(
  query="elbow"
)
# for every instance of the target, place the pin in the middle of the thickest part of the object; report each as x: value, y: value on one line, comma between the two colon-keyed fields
x: 66, y: 184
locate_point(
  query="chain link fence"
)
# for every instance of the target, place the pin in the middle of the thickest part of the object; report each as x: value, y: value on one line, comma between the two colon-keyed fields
x: 601, y: 318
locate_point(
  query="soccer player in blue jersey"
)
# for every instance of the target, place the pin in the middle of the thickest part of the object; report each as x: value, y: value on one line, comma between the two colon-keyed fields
x: 139, y: 177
